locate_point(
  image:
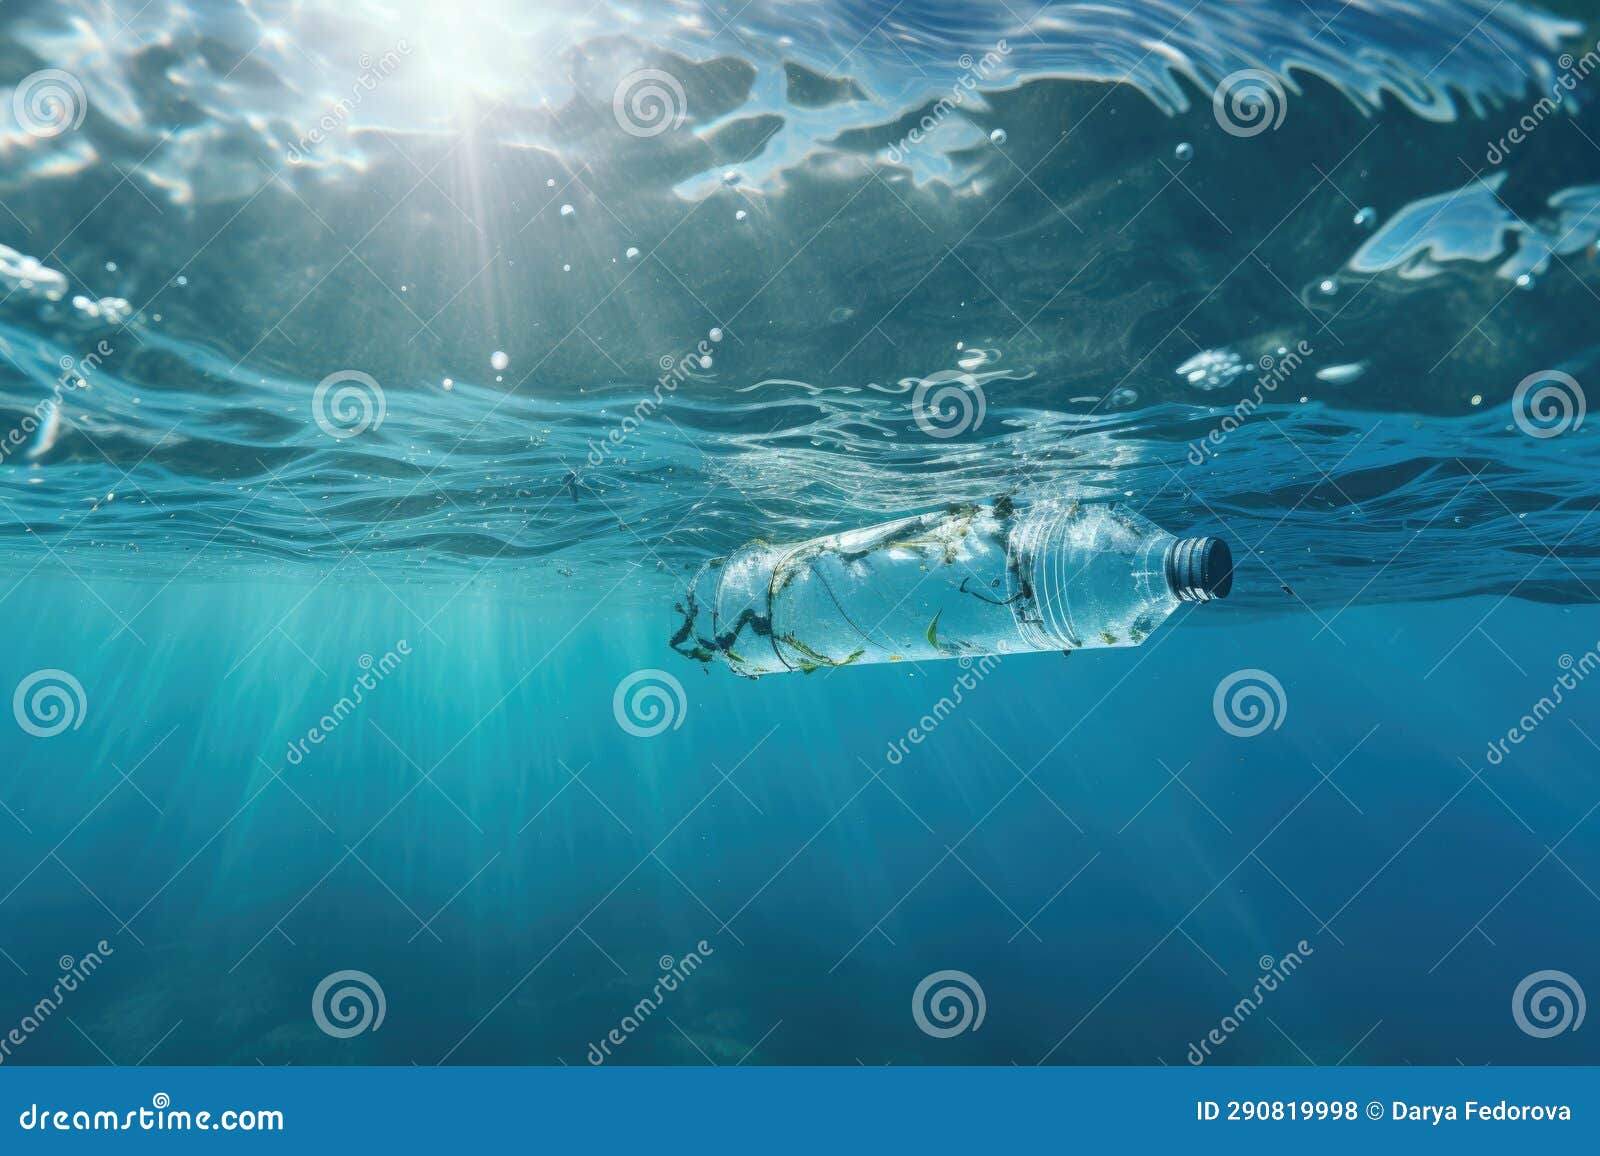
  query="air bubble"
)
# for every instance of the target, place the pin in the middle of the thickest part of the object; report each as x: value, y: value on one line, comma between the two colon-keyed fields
x: 568, y: 210
x: 998, y: 136
x: 1184, y: 152
x: 499, y: 360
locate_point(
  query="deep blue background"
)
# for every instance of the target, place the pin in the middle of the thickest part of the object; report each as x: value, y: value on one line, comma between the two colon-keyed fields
x: 1425, y: 894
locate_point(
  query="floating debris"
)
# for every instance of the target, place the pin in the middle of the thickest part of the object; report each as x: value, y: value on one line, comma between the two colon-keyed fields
x: 966, y: 581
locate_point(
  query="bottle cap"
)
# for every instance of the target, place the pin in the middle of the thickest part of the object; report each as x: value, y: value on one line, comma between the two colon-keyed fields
x: 1199, y: 569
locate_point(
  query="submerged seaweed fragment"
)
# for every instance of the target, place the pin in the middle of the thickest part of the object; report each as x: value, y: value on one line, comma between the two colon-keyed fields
x: 982, y: 597
x: 814, y: 660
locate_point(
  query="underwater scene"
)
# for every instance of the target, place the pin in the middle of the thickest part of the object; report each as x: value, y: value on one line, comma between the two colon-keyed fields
x: 558, y: 534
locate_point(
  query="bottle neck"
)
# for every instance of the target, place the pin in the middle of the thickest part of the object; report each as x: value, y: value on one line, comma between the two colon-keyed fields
x: 1199, y: 569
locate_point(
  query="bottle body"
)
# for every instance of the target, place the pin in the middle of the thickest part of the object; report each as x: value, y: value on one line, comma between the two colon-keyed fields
x: 965, y: 581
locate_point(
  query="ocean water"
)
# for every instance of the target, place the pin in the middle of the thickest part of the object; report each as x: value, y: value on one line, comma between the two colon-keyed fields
x: 375, y: 379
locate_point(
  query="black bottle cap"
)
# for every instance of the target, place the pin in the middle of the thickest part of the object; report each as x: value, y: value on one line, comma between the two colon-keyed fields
x: 1199, y: 569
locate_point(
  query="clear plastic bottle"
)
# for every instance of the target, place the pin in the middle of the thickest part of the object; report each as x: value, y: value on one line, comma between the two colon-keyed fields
x: 968, y: 580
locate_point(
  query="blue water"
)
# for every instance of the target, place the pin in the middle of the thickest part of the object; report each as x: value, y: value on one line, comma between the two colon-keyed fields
x: 208, y: 546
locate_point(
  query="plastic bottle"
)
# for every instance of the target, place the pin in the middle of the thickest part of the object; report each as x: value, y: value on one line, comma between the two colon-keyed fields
x: 965, y: 581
